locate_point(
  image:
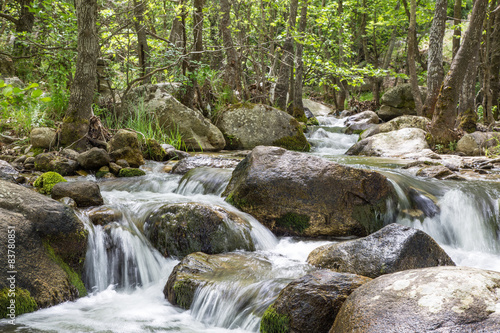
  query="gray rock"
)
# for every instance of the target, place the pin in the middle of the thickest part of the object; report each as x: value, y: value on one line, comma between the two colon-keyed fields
x: 93, y: 159
x: 56, y: 163
x: 476, y: 143
x: 192, y: 162
x: 125, y: 146
x: 43, y: 137
x: 85, y: 193
x: 311, y: 303
x: 123, y: 163
x: 180, y: 229
x: 104, y: 215
x: 397, y: 124
x: 8, y: 172
x: 391, y: 144
x: 295, y: 193
x: 392, y: 249
x: 246, y: 126
x: 70, y: 153
x: 317, y: 109
x: 361, y: 121
x: 437, y: 299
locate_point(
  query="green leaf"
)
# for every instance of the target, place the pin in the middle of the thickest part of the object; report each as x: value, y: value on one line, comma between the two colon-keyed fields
x: 7, y: 91
x: 32, y: 85
x: 45, y: 99
x: 36, y: 93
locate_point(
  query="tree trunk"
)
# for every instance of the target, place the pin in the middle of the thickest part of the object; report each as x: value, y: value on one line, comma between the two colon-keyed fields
x: 467, y: 117
x: 412, y: 53
x: 298, y: 106
x: 443, y: 121
x: 142, y: 40
x: 216, y: 56
x: 457, y: 15
x: 495, y: 62
x: 76, y: 121
x: 435, y: 70
x: 487, y: 98
x: 286, y: 67
x: 232, y: 71
x: 24, y: 25
x: 177, y: 32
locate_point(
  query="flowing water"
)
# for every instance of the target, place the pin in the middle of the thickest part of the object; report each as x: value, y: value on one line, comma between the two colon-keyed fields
x: 126, y: 276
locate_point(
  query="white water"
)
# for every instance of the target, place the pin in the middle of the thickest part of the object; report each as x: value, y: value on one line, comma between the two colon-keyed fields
x: 128, y: 276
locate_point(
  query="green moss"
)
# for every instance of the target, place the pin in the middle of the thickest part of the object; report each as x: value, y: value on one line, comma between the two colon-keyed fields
x: 131, y: 172
x: 273, y: 322
x: 184, y: 293
x: 24, y: 302
x: 235, y: 201
x: 294, y: 222
x: 152, y: 150
x: 36, y: 151
x: 73, y: 277
x: 232, y: 142
x: 46, y: 181
x: 297, y: 142
x: 302, y: 118
x: 313, y: 121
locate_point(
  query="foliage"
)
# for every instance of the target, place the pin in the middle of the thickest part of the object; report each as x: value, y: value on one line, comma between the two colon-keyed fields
x: 46, y: 181
x: 494, y: 151
x: 273, y: 322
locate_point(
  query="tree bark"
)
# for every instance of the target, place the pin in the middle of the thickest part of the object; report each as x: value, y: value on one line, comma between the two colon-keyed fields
x: 178, y: 31
x: 495, y: 62
x: 142, y: 40
x: 487, y: 70
x: 298, y: 106
x: 232, y: 71
x: 24, y: 25
x: 412, y: 53
x: 443, y: 121
x: 286, y: 67
x: 467, y: 117
x: 435, y: 70
x: 76, y: 121
x: 457, y: 32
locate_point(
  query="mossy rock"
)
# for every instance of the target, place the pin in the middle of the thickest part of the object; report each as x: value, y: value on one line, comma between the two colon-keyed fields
x: 46, y: 181
x: 273, y: 322
x: 131, y: 172
x: 23, y: 302
x: 152, y: 150
x: 294, y: 221
x: 313, y: 121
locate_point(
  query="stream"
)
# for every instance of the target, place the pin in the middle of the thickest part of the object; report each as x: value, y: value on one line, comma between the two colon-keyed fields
x: 126, y: 283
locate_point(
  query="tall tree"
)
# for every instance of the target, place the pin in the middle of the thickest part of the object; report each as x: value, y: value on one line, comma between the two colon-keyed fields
x: 286, y: 66
x: 298, y: 106
x: 443, y: 121
x: 457, y: 32
x: 495, y: 60
x: 142, y: 41
x: 232, y: 71
x: 412, y: 55
x: 435, y: 70
x: 76, y: 121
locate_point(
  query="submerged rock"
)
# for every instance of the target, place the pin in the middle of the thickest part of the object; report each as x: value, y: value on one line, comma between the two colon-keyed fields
x: 85, y: 193
x: 246, y: 126
x: 186, y: 164
x: 391, y: 249
x: 50, y: 246
x: 298, y: 194
x: 180, y: 229
x: 199, y: 269
x: 437, y: 299
x: 311, y: 303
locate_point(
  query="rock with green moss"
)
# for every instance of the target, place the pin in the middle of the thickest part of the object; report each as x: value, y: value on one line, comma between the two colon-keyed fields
x: 152, y: 150
x: 54, y: 162
x: 199, y: 270
x: 51, y: 244
x: 45, y: 182
x: 125, y: 145
x: 16, y: 301
x: 246, y: 126
x: 179, y: 229
x: 311, y: 303
x: 131, y: 172
x: 399, y: 101
x: 295, y: 193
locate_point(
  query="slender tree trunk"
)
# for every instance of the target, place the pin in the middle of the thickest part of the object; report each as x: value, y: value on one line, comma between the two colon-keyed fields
x: 232, y: 72
x: 142, y: 40
x: 178, y: 30
x: 283, y: 84
x: 76, y: 121
x: 487, y: 98
x: 435, y: 70
x: 412, y: 53
x: 298, y: 106
x: 24, y: 25
x: 495, y: 62
x: 443, y: 121
x: 467, y: 117
x: 341, y: 97
x: 216, y: 56
x: 457, y: 32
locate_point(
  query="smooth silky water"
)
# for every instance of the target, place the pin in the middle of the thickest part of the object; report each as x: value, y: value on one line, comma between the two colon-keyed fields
x: 125, y: 276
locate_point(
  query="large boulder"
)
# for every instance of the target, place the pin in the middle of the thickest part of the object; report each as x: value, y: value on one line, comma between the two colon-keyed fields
x: 8, y: 172
x: 298, y: 194
x: 361, y: 121
x: 186, y: 164
x: 246, y: 126
x: 124, y: 145
x: 53, y: 162
x: 392, y: 249
x: 180, y: 229
x: 474, y: 144
x: 94, y: 159
x: 391, y: 144
x: 197, y: 132
x: 317, y: 109
x: 397, y: 124
x: 49, y: 243
x: 85, y: 193
x: 437, y: 299
x: 398, y: 101
x: 43, y: 137
x: 199, y: 269
x: 311, y: 303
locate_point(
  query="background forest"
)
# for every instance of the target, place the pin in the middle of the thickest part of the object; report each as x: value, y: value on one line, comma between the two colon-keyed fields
x: 345, y: 53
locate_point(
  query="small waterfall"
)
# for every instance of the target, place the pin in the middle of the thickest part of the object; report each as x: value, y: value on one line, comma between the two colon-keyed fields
x: 329, y: 139
x: 205, y: 181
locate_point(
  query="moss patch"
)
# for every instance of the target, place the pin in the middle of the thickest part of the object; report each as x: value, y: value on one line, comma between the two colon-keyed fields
x: 293, y: 221
x: 73, y: 277
x: 184, y: 293
x: 297, y: 142
x: 36, y: 151
x: 24, y: 302
x: 131, y: 172
x: 46, y: 181
x: 313, y: 121
x: 273, y: 322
